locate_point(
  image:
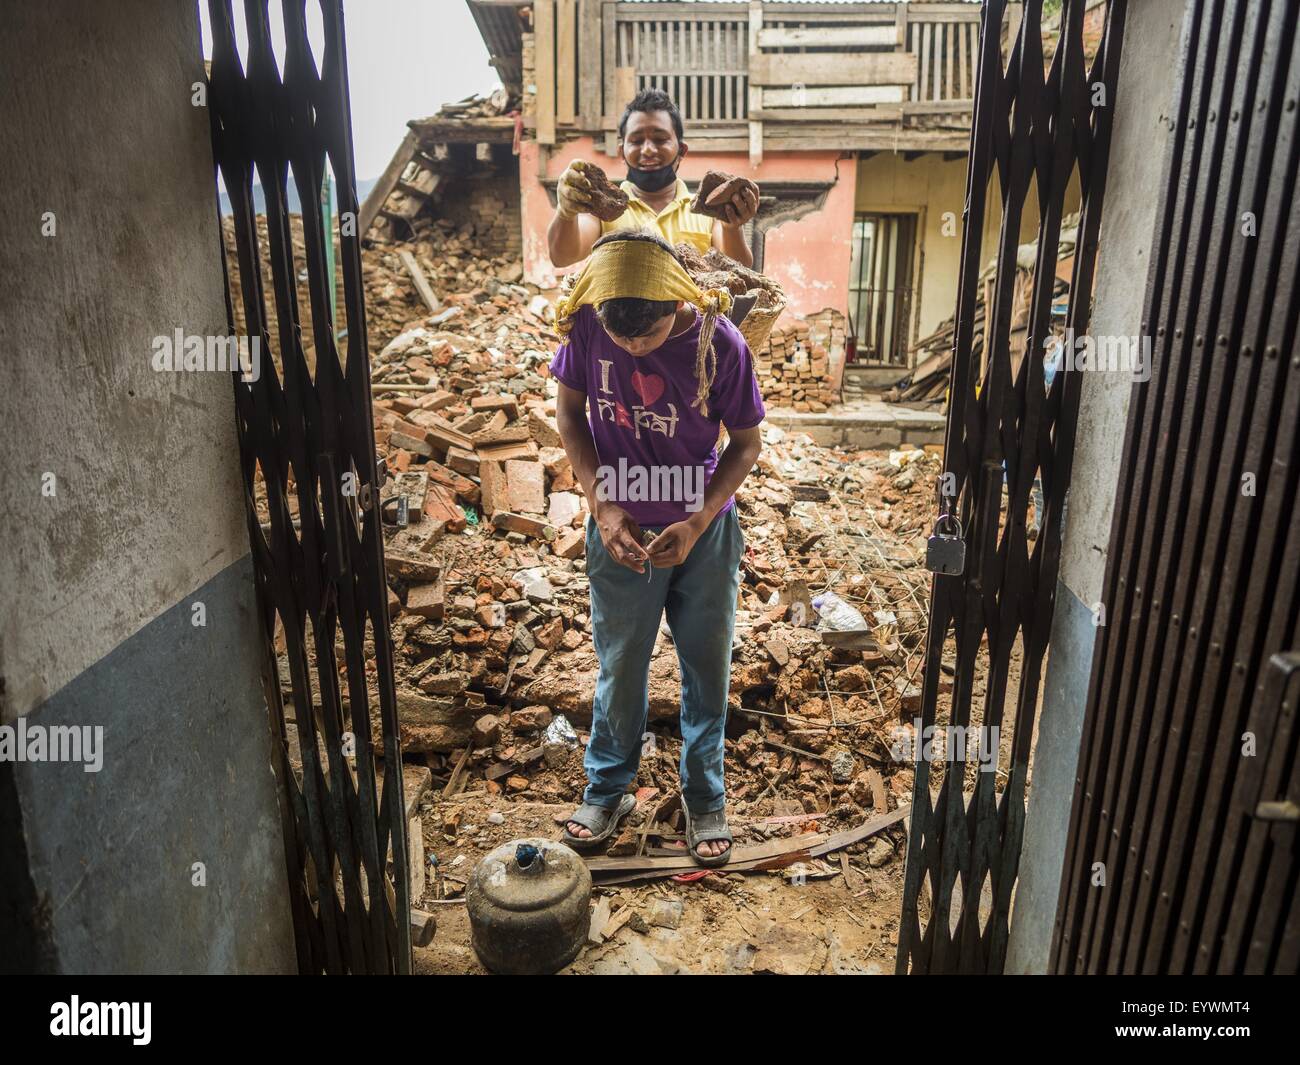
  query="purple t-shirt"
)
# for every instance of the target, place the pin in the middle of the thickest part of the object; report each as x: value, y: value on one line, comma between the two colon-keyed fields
x: 656, y: 451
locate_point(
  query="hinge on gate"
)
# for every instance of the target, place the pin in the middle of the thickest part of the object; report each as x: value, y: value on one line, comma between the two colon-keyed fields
x: 1277, y: 811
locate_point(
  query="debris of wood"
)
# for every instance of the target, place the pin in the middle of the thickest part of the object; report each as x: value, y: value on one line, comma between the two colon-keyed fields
x: 775, y: 854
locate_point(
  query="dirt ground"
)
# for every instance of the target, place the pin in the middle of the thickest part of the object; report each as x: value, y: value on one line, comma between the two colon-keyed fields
x: 730, y: 923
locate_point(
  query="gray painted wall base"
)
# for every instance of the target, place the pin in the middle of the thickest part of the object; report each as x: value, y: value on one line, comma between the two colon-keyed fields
x: 111, y: 853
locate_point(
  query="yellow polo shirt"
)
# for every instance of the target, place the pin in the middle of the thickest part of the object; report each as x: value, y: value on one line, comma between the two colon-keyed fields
x: 676, y: 223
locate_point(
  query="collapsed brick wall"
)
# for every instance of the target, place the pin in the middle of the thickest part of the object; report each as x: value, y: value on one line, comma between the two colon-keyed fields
x: 802, y: 363
x: 488, y: 201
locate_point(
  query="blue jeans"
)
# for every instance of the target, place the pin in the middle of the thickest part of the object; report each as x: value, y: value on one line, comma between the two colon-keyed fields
x: 700, y: 597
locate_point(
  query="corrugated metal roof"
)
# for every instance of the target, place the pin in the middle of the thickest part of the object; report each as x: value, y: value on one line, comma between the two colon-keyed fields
x: 501, y: 28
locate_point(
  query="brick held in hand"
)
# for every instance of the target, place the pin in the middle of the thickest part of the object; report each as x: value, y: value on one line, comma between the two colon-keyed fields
x: 715, y: 192
x: 608, y: 202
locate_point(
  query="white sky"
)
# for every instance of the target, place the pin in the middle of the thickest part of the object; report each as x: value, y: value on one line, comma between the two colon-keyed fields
x: 406, y: 58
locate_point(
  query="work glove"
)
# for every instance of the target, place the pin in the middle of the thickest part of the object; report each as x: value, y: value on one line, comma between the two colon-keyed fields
x: 573, y: 191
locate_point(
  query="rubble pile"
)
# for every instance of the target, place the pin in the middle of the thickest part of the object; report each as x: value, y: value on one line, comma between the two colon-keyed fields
x: 800, y: 366
x: 264, y: 251
x: 453, y: 261
x: 496, y: 669
x: 488, y: 598
x: 713, y: 269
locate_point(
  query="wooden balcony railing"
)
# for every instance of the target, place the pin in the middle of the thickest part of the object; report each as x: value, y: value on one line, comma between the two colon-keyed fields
x: 749, y: 74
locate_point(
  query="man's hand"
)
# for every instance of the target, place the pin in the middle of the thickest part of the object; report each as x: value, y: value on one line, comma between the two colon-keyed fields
x: 572, y: 191
x: 671, y: 546
x: 621, y: 536
x: 741, y: 207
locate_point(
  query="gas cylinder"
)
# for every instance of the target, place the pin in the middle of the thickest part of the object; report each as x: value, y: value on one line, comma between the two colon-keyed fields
x: 529, y: 905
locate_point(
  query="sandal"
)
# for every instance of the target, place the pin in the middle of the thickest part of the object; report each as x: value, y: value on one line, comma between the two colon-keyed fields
x: 707, y: 828
x: 601, y: 821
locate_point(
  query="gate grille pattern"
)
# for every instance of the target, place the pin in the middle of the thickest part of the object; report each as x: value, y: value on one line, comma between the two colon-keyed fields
x: 1032, y: 126
x: 303, y: 429
x: 1202, y: 584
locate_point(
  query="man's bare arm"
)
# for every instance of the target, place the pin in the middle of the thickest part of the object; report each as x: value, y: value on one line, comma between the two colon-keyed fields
x: 569, y: 240
x: 730, y: 240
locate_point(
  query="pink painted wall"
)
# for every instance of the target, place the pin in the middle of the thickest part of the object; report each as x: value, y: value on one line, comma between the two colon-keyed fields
x: 808, y: 257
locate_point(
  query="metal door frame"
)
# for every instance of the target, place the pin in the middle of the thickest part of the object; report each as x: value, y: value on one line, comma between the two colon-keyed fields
x: 340, y: 831
x: 1029, y: 127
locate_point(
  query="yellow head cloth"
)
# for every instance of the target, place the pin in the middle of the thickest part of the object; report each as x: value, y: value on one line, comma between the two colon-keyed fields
x: 641, y: 269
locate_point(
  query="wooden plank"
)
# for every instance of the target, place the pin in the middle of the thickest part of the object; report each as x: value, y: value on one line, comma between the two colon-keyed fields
x: 1014, y: 15
x: 387, y: 182
x: 962, y: 91
x: 924, y: 84
x: 421, y: 282
x: 914, y: 35
x: 755, y: 101
x: 832, y: 68
x: 937, y: 107
x: 609, y: 43
x: 837, y: 13
x: 589, y: 64
x: 938, y: 62
x: 846, y: 96
x: 624, y: 87
x: 713, y: 54
x: 934, y: 13
x: 862, y: 138
x: 950, y: 66
x: 544, y: 68
x: 751, y: 858
x: 973, y: 51
x: 566, y: 23
x: 827, y: 36
x: 892, y: 113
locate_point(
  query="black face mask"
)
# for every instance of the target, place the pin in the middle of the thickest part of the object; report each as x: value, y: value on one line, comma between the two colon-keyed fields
x: 653, y: 180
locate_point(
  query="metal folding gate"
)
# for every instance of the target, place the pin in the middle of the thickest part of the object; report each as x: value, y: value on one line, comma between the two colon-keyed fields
x: 1182, y: 848
x: 306, y: 431
x: 1032, y: 126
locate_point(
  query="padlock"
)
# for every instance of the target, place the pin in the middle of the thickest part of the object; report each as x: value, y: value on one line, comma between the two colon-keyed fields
x: 946, y: 553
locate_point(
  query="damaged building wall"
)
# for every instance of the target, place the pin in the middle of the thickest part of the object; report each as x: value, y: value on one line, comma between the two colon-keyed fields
x: 808, y: 256
x: 488, y: 199
x: 123, y: 513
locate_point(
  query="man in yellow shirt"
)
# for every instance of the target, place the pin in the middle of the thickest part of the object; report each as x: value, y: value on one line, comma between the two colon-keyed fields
x: 650, y: 142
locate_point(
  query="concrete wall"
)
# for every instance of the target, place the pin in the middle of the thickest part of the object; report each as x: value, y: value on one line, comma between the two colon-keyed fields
x: 809, y: 256
x: 146, y: 518
x: 1148, y: 78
